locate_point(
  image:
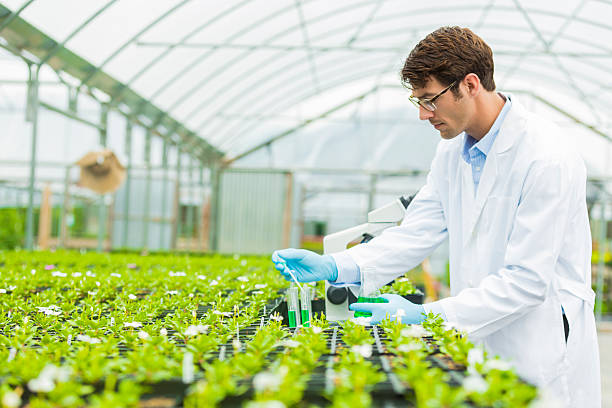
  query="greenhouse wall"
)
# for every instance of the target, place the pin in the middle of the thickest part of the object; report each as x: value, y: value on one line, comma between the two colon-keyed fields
x: 254, y: 211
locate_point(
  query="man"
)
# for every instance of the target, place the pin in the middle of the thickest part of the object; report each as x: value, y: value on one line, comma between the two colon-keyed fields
x: 508, y: 190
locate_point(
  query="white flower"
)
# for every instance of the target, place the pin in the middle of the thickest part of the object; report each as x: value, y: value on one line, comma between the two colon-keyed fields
x: 143, y: 335
x: 257, y: 292
x: 496, y: 364
x: 76, y: 274
x: 414, y: 330
x: 475, y: 383
x: 115, y: 275
x: 265, y: 404
x: 276, y: 317
x: 269, y: 380
x: 33, y: 271
x: 97, y: 284
x: 191, y: 295
x: 92, y: 292
x: 364, y: 321
x: 2, y: 290
x: 289, y: 344
x: 408, y: 347
x: 475, y: 356
x: 364, y: 349
x: 52, y: 310
x: 132, y: 324
x: 11, y: 400
x: 202, y: 277
x: 177, y: 273
x: 243, y: 262
x: 243, y: 279
x: 90, y: 274
x: 59, y: 274
x: 214, y: 283
x: 194, y: 330
x: 112, y: 321
x: 12, y: 287
x: 132, y: 297
x: 226, y: 314
x: 47, y: 378
x: 86, y: 339
x: 261, y: 285
x: 316, y: 329
x: 172, y: 292
x: 163, y: 331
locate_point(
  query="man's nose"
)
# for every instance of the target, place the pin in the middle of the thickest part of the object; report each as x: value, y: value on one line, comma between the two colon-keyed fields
x: 424, y: 114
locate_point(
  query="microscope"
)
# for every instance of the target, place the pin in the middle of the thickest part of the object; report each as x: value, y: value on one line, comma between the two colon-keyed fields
x: 338, y: 299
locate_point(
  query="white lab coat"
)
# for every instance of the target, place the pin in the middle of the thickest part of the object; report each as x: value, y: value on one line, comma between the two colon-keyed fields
x: 519, y: 250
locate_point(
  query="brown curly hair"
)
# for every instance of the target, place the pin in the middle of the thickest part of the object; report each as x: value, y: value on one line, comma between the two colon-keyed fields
x: 449, y: 54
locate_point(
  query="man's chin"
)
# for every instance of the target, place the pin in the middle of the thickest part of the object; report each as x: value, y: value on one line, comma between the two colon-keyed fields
x: 448, y: 134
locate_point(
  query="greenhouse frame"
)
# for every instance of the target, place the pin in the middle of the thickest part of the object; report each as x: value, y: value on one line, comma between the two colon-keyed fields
x: 233, y: 129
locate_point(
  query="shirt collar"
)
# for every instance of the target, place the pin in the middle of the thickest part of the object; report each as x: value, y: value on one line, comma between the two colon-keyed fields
x: 485, y: 144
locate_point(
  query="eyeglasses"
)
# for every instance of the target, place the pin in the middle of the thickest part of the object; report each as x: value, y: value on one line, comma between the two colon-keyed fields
x: 428, y: 103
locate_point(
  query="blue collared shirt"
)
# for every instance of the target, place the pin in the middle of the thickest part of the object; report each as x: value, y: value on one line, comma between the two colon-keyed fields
x: 475, y: 151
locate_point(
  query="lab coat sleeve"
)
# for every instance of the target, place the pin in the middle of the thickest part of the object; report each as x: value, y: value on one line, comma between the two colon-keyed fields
x: 348, y: 270
x: 399, y: 249
x: 533, y: 248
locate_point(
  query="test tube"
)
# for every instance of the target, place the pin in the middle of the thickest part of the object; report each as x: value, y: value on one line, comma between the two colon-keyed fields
x: 306, y: 305
x: 293, y: 306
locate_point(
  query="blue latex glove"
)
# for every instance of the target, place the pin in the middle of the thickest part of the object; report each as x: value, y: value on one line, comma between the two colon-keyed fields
x: 410, y: 313
x: 307, y: 266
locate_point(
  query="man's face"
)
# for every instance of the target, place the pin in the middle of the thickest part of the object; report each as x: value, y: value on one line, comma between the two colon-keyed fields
x: 451, y: 115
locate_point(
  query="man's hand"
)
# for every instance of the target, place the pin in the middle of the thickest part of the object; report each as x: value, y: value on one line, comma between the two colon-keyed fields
x: 307, y: 266
x: 397, y: 306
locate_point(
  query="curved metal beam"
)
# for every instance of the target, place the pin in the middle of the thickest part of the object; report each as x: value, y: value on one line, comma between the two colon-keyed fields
x: 184, y: 97
x: 237, y: 134
x: 14, y: 15
x: 305, y: 123
x: 225, y: 89
x: 58, y: 46
x: 171, y: 46
x: 251, y: 102
x: 130, y: 41
x: 200, y: 59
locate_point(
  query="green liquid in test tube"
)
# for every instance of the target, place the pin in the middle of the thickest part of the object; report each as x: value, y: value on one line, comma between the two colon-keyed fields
x: 306, y: 305
x: 293, y: 306
x: 292, y: 322
x: 372, y: 297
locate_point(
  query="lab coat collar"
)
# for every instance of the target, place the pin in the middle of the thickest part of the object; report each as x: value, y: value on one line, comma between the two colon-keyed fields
x: 509, y: 135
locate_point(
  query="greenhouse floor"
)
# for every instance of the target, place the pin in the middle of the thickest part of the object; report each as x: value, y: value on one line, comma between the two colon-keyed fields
x: 604, y: 335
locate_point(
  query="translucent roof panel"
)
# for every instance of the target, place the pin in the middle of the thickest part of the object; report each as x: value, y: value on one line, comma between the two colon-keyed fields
x: 240, y: 73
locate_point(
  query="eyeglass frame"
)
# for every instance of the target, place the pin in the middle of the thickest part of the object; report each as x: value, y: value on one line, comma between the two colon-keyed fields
x: 422, y: 102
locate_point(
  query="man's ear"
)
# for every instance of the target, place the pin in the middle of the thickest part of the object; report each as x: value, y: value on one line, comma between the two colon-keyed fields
x: 472, y: 83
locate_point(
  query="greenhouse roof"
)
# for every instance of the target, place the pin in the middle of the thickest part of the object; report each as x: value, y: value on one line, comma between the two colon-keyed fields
x: 232, y: 77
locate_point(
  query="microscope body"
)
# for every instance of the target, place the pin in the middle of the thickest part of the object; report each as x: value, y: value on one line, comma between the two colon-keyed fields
x: 338, y: 298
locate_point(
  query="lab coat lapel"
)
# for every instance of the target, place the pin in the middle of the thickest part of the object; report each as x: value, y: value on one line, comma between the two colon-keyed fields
x: 467, y: 199
x: 508, y: 134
